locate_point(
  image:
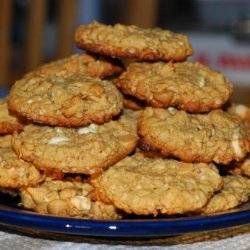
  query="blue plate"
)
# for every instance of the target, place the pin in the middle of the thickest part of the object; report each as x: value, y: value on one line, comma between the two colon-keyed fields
x: 11, y: 216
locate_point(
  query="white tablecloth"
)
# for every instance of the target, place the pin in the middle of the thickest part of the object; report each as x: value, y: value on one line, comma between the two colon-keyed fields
x: 236, y: 239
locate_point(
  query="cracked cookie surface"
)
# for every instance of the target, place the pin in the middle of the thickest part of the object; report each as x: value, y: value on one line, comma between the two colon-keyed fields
x: 68, y: 100
x: 144, y: 186
x: 190, y: 86
x: 194, y: 137
x: 85, y: 150
x: 133, y: 42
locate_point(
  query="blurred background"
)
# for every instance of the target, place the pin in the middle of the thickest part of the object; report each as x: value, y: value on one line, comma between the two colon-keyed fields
x: 33, y: 32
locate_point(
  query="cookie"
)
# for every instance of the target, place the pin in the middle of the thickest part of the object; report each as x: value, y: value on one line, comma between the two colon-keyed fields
x: 14, y: 172
x: 235, y: 191
x: 190, y: 86
x: 145, y: 186
x: 85, y: 150
x: 72, y: 100
x: 5, y: 142
x: 214, y: 136
x: 66, y: 198
x: 133, y: 42
x: 8, y: 122
x: 84, y: 64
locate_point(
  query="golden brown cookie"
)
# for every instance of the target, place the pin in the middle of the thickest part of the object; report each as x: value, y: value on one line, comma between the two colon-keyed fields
x: 14, y: 172
x: 133, y: 42
x: 8, y: 122
x: 85, y: 64
x: 65, y: 100
x: 194, y: 137
x: 84, y: 150
x: 66, y: 198
x: 235, y: 191
x: 5, y: 142
x: 144, y: 186
x: 190, y: 86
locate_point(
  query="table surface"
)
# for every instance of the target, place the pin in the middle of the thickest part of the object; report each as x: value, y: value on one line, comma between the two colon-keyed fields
x: 236, y: 238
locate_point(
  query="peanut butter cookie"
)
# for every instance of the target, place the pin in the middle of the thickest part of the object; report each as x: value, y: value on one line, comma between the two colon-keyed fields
x: 85, y: 150
x: 66, y: 198
x: 190, y: 86
x: 133, y: 42
x: 8, y: 123
x: 144, y: 186
x: 72, y: 100
x: 194, y: 137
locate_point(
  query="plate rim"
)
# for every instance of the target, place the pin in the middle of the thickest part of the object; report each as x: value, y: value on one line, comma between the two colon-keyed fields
x: 131, y: 228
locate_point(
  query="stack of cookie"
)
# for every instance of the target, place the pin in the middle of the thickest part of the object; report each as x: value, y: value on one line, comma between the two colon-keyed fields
x: 69, y: 129
x: 82, y: 141
x: 181, y: 119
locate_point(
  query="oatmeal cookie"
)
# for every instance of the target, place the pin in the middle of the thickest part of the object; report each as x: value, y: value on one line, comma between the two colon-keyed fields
x: 133, y: 42
x: 144, y: 186
x: 235, y: 191
x: 66, y: 198
x: 85, y: 150
x: 194, y: 137
x: 8, y: 122
x: 190, y: 86
x: 85, y: 64
x: 72, y: 100
x: 14, y: 172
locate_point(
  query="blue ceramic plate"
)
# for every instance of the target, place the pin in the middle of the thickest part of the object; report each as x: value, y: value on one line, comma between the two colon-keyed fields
x: 12, y: 216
